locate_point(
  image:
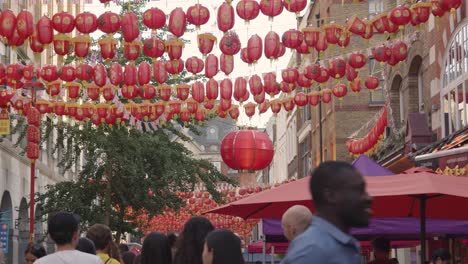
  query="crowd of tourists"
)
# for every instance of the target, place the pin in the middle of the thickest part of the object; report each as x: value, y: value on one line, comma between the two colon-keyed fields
x: 341, y: 203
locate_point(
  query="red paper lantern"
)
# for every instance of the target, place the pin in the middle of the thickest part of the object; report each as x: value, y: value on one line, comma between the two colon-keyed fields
x: 292, y: 38
x: 234, y: 112
x: 313, y: 98
x: 340, y: 90
x: 198, y: 15
x: 369, y: 31
x: 303, y: 81
x: 272, y: 45
x: 355, y: 85
x: 209, y: 104
x: 248, y: 10
x: 108, y: 92
x: 148, y: 91
x: 183, y: 91
x: 400, y: 50
x: 245, y: 56
x: 32, y: 151
x: 198, y: 92
x: 62, y: 44
x: 93, y: 91
x: 355, y: 25
x: 86, y: 22
x: 303, y: 48
x: 312, y: 71
x: 211, y: 66
x: 271, y: 8
x: 226, y: 63
x: 192, y: 105
x: 154, y: 18
x: 100, y: 75
x: 82, y: 44
x: 45, y: 34
x: 249, y: 109
x: 108, y: 22
x: 255, y: 84
x: 381, y: 22
x: 332, y: 32
x: 67, y: 73
x: 44, y: 107
x: 16, y: 40
x: 288, y: 104
x: 255, y: 48
x: 240, y: 89
x: 130, y: 91
x: 300, y: 99
x: 177, y: 22
x: 357, y: 60
x: 230, y: 43
x: 144, y: 73
x: 437, y: 9
x: 226, y: 17
x: 165, y: 92
x: 206, y: 43
x: 25, y: 24
x: 175, y: 67
x: 153, y: 47
x: 381, y: 53
x: 270, y: 85
x: 422, y: 11
x: 372, y: 82
x: 175, y: 107
x: 29, y: 72
x: 451, y: 5
x: 130, y: 74
x: 200, y: 115
x: 159, y: 72
x: 49, y: 73
x: 108, y: 47
x: 351, y: 73
x: 287, y: 87
x: 212, y: 89
x: 34, y: 43
x: 115, y: 74
x: 226, y: 89
x: 130, y: 27
x: 337, y: 68
x: 263, y: 107
x: 84, y: 72
x: 132, y: 50
x: 400, y: 16
x: 8, y: 23
x: 295, y: 6
x: 324, y: 75
x: 174, y: 48
x: 289, y: 75
x: 275, y: 106
x: 326, y: 95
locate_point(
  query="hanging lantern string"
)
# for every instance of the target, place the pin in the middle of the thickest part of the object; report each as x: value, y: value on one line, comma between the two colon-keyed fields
x: 368, y: 124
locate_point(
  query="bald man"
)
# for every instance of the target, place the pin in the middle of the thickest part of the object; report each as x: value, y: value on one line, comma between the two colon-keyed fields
x: 295, y: 221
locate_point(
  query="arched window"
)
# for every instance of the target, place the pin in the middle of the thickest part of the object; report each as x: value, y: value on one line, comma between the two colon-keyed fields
x: 454, y: 92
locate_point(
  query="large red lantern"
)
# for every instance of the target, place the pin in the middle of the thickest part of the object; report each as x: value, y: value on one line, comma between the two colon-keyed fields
x: 422, y: 11
x: 372, y: 82
x: 84, y: 72
x: 174, y: 48
x: 272, y: 45
x: 271, y: 8
x: 45, y: 34
x: 290, y: 75
x: 400, y: 16
x: 25, y: 24
x: 194, y: 65
x: 108, y: 22
x: 177, y: 22
x: 86, y: 22
x: 183, y: 90
x: 49, y: 73
x: 381, y: 22
x: 240, y: 89
x: 255, y: 48
x: 248, y: 10
x: 29, y: 72
x: 154, y: 18
x: 198, y: 15
x: 295, y: 6
x: 206, y: 43
x: 247, y: 150
x: 67, y: 73
x: 8, y: 22
x: 159, y: 72
x: 108, y: 47
x: 400, y: 50
x: 175, y: 67
x: 198, y: 92
x: 211, y: 66
x: 300, y: 99
x: 62, y: 44
x: 82, y: 44
x: 130, y: 27
x: 337, y: 68
x: 226, y: 17
x: 226, y: 63
x: 357, y: 60
x: 192, y: 105
x: 132, y: 50
x: 212, y: 89
x: 200, y: 115
x: 230, y: 43
x: 292, y: 38
x: 340, y: 90
x: 153, y: 47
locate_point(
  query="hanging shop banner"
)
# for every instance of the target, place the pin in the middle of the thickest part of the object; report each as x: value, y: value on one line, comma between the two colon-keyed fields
x: 4, y: 227
x: 4, y: 122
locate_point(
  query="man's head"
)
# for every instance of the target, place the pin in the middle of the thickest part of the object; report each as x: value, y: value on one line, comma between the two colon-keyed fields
x: 339, y: 189
x: 381, y: 248
x: 441, y: 256
x: 63, y: 228
x: 101, y: 235
x: 295, y: 221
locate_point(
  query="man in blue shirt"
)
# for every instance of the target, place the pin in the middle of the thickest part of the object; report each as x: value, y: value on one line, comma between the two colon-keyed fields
x: 341, y: 202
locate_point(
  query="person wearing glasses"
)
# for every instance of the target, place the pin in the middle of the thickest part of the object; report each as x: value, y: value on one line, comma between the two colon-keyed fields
x: 34, y: 252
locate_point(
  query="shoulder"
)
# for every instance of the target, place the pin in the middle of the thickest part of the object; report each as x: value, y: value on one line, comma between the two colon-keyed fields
x: 87, y: 257
x: 310, y: 245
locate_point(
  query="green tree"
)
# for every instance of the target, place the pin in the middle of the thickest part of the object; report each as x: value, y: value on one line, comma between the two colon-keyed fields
x: 124, y: 167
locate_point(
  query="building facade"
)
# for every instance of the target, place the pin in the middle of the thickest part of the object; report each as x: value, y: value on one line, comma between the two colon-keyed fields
x: 15, y: 167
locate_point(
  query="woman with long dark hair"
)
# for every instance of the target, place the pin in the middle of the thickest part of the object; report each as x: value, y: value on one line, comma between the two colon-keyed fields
x: 155, y: 249
x: 222, y: 247
x: 191, y: 240
x: 33, y: 252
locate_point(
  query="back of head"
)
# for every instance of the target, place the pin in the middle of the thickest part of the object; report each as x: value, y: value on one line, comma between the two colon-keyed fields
x: 128, y: 257
x: 172, y: 238
x: 226, y: 247
x: 101, y: 235
x: 328, y: 176
x: 441, y: 254
x: 62, y: 227
x: 156, y: 249
x: 36, y: 250
x: 190, y: 242
x: 295, y: 221
x: 381, y: 247
x: 86, y: 245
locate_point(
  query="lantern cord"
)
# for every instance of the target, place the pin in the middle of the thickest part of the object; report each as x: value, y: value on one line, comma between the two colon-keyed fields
x: 367, y: 125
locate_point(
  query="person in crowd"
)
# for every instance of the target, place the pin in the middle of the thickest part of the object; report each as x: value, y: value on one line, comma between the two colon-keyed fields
x: 128, y: 257
x: 295, y: 221
x: 191, y: 240
x: 101, y: 235
x: 341, y: 202
x: 222, y: 247
x: 114, y: 251
x: 86, y: 245
x: 172, y: 238
x: 63, y: 230
x: 381, y: 247
x: 34, y: 252
x: 156, y: 249
x: 123, y: 248
x: 441, y: 256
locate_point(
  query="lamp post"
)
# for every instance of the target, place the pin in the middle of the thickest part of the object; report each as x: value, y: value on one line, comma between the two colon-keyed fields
x: 317, y: 16
x: 33, y: 85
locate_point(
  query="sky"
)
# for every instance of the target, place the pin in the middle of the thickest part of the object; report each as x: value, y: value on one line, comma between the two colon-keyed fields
x: 260, y: 26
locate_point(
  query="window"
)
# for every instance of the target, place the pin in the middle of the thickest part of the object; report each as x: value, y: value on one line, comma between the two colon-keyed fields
x: 454, y: 93
x: 304, y: 152
x: 212, y: 133
x: 376, y: 96
x: 375, y: 7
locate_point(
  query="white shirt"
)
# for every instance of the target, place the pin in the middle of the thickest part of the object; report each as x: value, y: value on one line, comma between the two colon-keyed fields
x: 69, y: 257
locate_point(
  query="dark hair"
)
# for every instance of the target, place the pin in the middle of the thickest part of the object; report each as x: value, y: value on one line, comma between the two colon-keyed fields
x: 62, y: 226
x: 381, y: 244
x: 36, y: 250
x: 191, y: 241
x: 172, y: 238
x: 156, y: 249
x: 327, y: 175
x: 128, y: 257
x: 226, y: 247
x: 441, y: 253
x: 86, y: 245
x: 123, y: 248
x: 101, y: 235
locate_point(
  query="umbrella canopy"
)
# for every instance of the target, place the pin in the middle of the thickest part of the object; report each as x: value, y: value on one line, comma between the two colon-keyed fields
x: 394, y: 196
x: 367, y: 166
